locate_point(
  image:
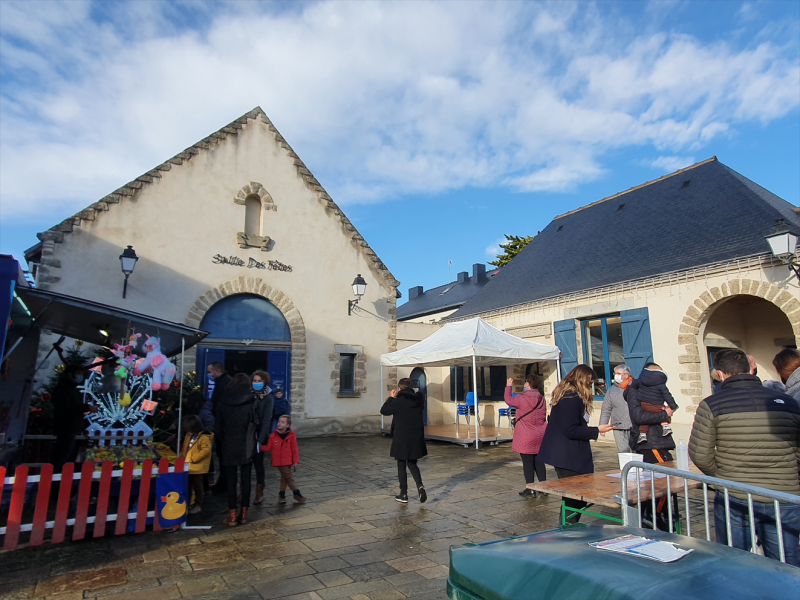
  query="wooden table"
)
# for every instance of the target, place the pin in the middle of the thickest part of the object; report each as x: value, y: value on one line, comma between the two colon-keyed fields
x: 600, y: 489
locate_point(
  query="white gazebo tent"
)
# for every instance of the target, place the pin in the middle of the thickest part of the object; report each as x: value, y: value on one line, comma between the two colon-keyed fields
x: 468, y: 343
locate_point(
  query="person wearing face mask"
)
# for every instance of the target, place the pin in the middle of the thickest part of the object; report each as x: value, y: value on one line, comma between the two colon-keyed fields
x: 615, y: 408
x: 216, y: 371
x: 531, y: 423
x: 68, y: 411
x: 265, y: 402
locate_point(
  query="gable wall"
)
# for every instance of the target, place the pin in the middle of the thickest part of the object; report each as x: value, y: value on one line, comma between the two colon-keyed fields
x: 180, y: 221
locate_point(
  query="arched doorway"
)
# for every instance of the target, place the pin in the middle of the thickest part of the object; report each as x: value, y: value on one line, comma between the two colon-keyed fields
x: 747, y: 323
x: 247, y: 333
x: 419, y: 382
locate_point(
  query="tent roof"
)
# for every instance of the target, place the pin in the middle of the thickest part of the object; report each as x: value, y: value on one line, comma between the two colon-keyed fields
x: 82, y: 320
x: 456, y: 343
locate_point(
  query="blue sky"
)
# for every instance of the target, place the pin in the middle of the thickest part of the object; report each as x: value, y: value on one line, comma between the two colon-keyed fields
x: 438, y: 127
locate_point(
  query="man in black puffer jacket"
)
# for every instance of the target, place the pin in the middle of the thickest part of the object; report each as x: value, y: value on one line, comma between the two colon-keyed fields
x: 655, y: 449
x: 653, y: 394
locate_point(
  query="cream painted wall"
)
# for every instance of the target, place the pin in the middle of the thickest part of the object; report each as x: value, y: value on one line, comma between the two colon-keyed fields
x: 180, y: 221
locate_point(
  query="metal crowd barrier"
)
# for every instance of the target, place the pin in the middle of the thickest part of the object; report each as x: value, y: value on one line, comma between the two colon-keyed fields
x: 723, y: 485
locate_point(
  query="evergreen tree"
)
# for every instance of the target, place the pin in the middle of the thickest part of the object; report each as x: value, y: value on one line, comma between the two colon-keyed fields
x: 514, y: 244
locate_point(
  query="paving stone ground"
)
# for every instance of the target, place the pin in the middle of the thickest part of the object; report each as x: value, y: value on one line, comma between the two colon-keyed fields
x: 351, y: 540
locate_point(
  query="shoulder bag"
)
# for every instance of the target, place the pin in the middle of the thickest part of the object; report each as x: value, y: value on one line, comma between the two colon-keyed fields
x: 515, y: 420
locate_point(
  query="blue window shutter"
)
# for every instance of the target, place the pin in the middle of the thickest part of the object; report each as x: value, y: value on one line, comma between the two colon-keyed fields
x: 636, y: 342
x: 567, y: 342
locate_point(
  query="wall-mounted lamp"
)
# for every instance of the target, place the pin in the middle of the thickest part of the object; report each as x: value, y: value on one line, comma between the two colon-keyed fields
x: 783, y: 243
x: 359, y: 287
x: 128, y: 260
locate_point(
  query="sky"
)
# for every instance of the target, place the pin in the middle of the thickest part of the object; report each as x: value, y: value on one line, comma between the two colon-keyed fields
x: 438, y: 127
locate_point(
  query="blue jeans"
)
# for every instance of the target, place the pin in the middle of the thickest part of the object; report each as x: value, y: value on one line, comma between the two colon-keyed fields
x: 764, y: 521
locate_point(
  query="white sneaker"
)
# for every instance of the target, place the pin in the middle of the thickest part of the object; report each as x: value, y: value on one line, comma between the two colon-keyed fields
x: 666, y: 430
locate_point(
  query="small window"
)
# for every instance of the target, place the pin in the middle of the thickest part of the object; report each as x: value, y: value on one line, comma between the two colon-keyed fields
x: 621, y: 206
x: 252, y: 215
x: 447, y: 290
x: 686, y: 183
x: 560, y: 227
x: 347, y: 364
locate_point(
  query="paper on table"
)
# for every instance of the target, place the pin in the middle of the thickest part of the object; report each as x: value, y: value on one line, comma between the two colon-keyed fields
x: 639, y: 546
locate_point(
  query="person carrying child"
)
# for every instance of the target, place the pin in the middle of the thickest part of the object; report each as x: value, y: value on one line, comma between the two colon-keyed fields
x: 283, y: 445
x: 653, y: 394
x: 196, y: 451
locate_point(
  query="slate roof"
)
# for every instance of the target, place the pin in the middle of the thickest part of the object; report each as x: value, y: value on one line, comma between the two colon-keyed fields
x: 443, y: 298
x: 658, y: 227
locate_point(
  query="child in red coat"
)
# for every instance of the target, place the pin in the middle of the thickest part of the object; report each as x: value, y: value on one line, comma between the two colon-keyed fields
x: 283, y: 445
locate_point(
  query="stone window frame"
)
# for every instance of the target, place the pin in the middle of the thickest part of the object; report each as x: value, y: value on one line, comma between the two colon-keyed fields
x: 359, y: 370
x: 252, y: 191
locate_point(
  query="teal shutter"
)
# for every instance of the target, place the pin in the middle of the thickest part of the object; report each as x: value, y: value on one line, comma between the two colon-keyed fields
x: 636, y: 342
x: 567, y: 342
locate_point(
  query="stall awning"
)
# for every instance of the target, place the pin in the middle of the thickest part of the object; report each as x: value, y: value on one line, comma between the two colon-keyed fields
x: 457, y: 343
x: 83, y: 319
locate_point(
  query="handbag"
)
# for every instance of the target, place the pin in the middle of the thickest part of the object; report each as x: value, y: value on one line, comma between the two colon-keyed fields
x: 515, y: 420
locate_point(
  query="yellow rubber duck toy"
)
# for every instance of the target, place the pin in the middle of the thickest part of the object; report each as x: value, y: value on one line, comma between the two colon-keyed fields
x: 172, y: 510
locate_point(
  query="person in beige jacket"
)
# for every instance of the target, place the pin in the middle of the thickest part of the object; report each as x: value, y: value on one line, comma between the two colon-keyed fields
x: 750, y: 434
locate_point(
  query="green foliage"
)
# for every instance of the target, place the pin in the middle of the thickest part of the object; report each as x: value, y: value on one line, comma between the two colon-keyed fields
x: 164, y: 422
x: 514, y: 244
x: 40, y: 421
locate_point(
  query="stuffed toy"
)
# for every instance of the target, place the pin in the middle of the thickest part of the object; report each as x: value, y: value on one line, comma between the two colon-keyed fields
x: 124, y: 359
x: 163, y: 370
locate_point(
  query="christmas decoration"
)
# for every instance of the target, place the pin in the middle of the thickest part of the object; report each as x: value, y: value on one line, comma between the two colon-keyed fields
x: 118, y: 412
x: 163, y: 370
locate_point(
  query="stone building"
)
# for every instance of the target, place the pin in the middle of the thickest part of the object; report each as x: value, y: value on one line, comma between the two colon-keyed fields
x: 235, y: 236
x: 670, y: 271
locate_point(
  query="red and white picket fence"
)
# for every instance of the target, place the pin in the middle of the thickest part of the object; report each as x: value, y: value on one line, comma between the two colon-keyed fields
x: 86, y: 475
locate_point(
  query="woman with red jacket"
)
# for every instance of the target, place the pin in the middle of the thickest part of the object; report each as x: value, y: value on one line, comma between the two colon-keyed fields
x: 283, y: 445
x: 531, y: 423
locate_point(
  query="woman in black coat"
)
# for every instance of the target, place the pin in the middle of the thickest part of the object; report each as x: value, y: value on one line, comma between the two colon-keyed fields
x: 408, y: 439
x: 566, y: 441
x: 235, y: 429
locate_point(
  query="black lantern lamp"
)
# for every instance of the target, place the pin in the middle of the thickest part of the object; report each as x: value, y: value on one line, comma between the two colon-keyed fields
x: 128, y: 260
x: 783, y: 243
x: 359, y: 287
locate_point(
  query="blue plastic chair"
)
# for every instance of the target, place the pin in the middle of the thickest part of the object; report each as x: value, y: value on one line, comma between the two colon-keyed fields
x: 466, y: 410
x: 509, y: 412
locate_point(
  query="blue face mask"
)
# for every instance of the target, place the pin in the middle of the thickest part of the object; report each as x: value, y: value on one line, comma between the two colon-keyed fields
x: 258, y: 385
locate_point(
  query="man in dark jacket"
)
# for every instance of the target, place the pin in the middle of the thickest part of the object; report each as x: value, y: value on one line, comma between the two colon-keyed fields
x: 216, y: 370
x: 68, y: 411
x: 656, y: 447
x: 408, y: 443
x: 750, y: 434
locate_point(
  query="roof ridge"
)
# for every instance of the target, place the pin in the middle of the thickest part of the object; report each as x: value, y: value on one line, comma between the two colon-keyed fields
x: 637, y: 187
x: 56, y: 233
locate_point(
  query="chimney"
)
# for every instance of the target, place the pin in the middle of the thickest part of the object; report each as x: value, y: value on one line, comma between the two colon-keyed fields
x: 462, y: 277
x: 478, y: 272
x: 414, y: 292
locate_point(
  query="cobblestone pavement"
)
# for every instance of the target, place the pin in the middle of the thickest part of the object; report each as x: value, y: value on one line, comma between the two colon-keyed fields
x: 350, y: 540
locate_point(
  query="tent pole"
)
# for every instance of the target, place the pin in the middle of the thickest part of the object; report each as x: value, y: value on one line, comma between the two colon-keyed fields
x: 180, y: 399
x: 381, y: 398
x: 558, y: 370
x: 475, y: 398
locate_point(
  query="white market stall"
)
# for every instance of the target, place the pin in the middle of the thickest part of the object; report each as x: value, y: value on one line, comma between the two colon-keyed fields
x: 472, y: 343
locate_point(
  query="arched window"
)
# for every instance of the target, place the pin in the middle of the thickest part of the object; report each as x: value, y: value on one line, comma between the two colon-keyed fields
x: 252, y: 215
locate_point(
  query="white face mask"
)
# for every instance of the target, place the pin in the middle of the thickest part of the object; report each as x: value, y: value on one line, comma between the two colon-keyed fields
x: 617, y: 377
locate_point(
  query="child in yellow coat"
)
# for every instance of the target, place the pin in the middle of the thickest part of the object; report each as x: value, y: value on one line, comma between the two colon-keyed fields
x: 197, y: 453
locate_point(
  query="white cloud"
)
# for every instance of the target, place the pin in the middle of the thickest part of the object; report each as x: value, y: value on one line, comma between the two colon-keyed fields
x: 669, y: 164
x: 379, y: 99
x: 494, y: 249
